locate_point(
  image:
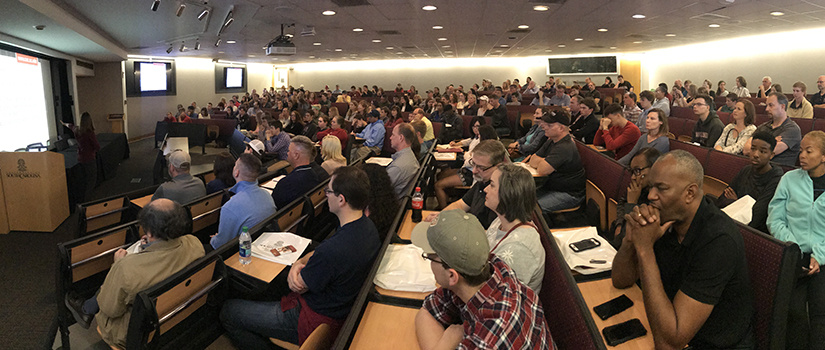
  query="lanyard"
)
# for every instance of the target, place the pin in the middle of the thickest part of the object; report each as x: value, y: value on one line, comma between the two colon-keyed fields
x: 511, y: 230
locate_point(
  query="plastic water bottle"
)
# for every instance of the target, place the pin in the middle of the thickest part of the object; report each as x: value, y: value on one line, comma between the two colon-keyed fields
x: 245, y: 243
x: 417, y: 205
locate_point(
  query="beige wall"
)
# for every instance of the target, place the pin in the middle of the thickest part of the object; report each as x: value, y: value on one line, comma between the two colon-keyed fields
x: 101, y: 94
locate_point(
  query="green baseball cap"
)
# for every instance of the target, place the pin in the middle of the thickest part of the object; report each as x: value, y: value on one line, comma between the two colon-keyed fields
x: 458, y: 238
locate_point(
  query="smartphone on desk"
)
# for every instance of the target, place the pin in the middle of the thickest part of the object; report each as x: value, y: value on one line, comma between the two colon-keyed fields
x: 613, y: 307
x: 622, y: 332
x: 585, y: 244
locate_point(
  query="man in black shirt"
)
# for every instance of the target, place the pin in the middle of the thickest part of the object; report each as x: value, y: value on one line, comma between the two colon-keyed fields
x: 818, y: 99
x: 691, y: 261
x: 498, y: 112
x: 624, y: 84
x: 486, y: 156
x: 585, y: 124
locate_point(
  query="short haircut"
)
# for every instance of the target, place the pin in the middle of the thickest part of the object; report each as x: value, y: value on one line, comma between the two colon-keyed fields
x: 819, y: 137
x: 165, y: 221
x: 493, y: 149
x: 589, y: 102
x: 408, y: 133
x: 250, y: 166
x: 742, y: 81
x: 306, y: 146
x: 517, y: 198
x: 663, y: 88
x: 647, y: 95
x: 733, y: 97
x: 664, y: 129
x: 420, y: 127
x: 620, y: 76
x: 632, y: 95
x: 708, y: 100
x: 487, y: 132
x: 765, y: 136
x: 352, y: 183
x: 687, y: 165
x: 750, y: 111
x: 801, y: 86
x: 276, y: 124
x: 340, y: 121
x: 649, y: 154
x: 780, y: 98
x: 613, y: 108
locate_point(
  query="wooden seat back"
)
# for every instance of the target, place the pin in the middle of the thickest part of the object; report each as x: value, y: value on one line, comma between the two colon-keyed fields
x: 101, y: 214
x: 205, y: 211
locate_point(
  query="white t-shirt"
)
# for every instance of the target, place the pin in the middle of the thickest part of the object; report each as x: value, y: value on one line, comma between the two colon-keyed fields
x: 521, y: 250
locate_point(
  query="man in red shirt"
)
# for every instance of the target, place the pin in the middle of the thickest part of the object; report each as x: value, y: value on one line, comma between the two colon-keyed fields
x: 616, y: 133
x: 481, y: 304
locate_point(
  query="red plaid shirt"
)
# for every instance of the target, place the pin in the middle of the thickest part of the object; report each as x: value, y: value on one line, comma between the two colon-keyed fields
x: 504, y: 314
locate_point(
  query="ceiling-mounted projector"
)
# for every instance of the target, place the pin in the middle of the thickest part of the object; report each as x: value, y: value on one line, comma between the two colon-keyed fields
x: 282, y: 45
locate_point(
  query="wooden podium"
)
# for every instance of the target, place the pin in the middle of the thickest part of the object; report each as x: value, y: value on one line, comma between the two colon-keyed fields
x: 33, y: 191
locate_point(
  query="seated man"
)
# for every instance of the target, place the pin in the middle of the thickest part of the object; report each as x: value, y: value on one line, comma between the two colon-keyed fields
x: 486, y: 156
x: 758, y: 180
x: 498, y: 112
x: 373, y: 136
x: 166, y: 249
x: 305, y: 175
x: 429, y: 137
x: 559, y: 160
x: 324, y: 283
x: 250, y: 205
x: 616, y: 133
x: 690, y: 258
x: 404, y: 163
x: 480, y: 304
x: 784, y: 129
x: 183, y: 188
x: 275, y: 140
x: 560, y: 98
x: 708, y: 128
x: 585, y: 124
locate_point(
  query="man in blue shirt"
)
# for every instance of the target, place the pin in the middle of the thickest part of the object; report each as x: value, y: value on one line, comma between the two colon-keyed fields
x: 324, y: 283
x: 373, y: 136
x: 306, y: 174
x: 249, y: 206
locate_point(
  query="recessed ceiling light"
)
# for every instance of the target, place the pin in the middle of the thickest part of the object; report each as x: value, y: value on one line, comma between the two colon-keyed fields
x: 578, y: 39
x: 230, y: 41
x: 523, y: 26
x: 638, y: 16
x: 670, y: 34
x: 493, y: 51
x: 540, y: 8
x: 376, y: 40
x: 274, y: 58
x: 713, y: 25
x: 339, y: 50
x: 449, y: 51
x: 777, y: 13
x: 357, y: 29
x: 562, y: 45
x: 429, y: 8
x: 613, y: 47
x: 328, y: 13
x: 221, y: 52
x: 548, y: 50
x: 602, y: 29
x: 438, y: 27
x: 442, y: 39
x: 504, y: 45
x: 399, y: 53
x: 251, y: 55
x: 316, y: 44
x: 311, y: 56
x: 390, y: 47
x: 637, y: 42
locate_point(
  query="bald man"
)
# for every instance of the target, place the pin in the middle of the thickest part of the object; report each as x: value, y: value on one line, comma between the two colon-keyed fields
x: 690, y: 259
x: 818, y: 99
x: 250, y: 205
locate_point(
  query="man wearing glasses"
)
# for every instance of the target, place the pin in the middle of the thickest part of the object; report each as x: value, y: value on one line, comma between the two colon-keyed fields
x: 481, y: 304
x: 486, y: 156
x: 324, y: 283
x: 708, y: 128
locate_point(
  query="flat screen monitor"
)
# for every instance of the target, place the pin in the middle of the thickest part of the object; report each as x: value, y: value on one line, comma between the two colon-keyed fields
x: 153, y: 76
x: 234, y: 77
x: 582, y: 65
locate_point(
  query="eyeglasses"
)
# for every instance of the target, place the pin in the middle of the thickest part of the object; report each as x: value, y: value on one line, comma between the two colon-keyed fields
x: 328, y: 190
x: 638, y: 171
x: 430, y: 257
x: 482, y: 168
x: 700, y: 104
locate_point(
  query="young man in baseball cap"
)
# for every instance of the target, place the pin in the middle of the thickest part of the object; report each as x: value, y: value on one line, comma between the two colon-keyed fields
x: 480, y: 304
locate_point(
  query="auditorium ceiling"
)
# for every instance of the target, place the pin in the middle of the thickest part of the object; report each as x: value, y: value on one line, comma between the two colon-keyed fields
x: 107, y: 30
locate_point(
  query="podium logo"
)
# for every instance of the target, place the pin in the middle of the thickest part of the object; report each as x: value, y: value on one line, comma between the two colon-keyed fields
x: 22, y: 171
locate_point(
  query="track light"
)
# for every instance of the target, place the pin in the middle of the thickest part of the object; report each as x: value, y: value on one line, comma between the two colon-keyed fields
x: 155, y: 5
x: 181, y: 7
x: 203, y: 14
x: 228, y: 20
x: 197, y: 45
x: 182, y: 47
x: 169, y: 50
x: 218, y: 43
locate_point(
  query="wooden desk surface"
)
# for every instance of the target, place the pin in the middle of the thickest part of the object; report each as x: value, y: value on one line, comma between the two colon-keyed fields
x: 386, y: 327
x: 261, y: 269
x: 400, y: 294
x: 407, y: 225
x: 598, y: 148
x: 598, y: 292
x: 142, y: 201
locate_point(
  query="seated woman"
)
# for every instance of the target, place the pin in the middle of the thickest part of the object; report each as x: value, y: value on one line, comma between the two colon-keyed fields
x: 637, y: 190
x: 323, y: 126
x: 450, y: 178
x: 331, y: 154
x: 223, y: 167
x: 511, y: 194
x: 383, y: 203
x: 530, y: 143
x: 296, y: 124
x: 656, y: 136
x: 740, y: 130
x: 204, y: 114
x: 795, y: 214
x: 608, y: 83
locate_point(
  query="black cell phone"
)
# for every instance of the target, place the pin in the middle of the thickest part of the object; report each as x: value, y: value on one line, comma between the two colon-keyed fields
x: 585, y: 244
x: 622, y: 332
x: 613, y: 307
x: 804, y: 265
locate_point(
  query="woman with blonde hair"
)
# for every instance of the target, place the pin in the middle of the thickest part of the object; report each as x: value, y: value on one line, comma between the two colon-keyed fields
x: 331, y: 154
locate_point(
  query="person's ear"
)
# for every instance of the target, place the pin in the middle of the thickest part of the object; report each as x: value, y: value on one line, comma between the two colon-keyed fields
x: 452, y: 277
x: 690, y: 193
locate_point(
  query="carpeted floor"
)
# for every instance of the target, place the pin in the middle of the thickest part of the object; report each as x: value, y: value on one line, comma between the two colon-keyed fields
x: 28, y: 260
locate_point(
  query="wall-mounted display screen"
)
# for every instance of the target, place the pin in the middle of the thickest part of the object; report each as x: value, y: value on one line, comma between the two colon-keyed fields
x: 582, y: 65
x: 234, y: 77
x: 152, y: 76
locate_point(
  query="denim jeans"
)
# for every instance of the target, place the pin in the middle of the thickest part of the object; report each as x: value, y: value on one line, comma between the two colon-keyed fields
x: 806, y: 319
x: 551, y: 201
x: 250, y: 324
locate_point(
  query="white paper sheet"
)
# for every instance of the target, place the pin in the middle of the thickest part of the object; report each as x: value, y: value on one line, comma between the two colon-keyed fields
x: 382, y: 161
x: 271, y: 240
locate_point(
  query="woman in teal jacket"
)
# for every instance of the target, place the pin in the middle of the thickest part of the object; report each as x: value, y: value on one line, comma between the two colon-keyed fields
x: 797, y: 214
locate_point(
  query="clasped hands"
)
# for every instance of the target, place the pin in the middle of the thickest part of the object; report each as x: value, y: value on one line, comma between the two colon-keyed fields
x: 644, y: 226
